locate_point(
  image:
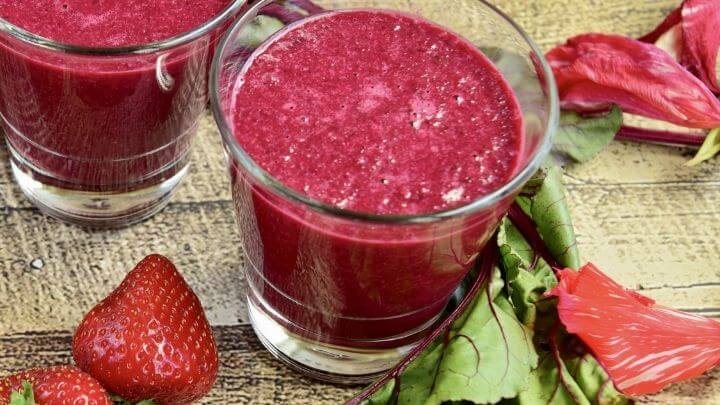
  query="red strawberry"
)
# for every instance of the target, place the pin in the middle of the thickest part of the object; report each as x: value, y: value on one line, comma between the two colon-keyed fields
x: 149, y: 339
x: 53, y: 386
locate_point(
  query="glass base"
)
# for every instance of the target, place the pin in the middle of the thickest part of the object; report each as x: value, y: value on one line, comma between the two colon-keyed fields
x: 322, y: 361
x: 97, y: 209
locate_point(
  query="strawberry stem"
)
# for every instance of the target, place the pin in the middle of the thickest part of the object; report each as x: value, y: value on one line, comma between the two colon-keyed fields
x: 23, y: 397
x: 643, y: 135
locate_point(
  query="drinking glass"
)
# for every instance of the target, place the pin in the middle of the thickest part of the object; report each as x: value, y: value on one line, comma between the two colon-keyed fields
x: 101, y: 136
x: 343, y: 295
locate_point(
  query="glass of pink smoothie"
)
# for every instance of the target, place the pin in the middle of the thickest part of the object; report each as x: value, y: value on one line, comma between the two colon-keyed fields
x: 373, y: 147
x: 99, y: 100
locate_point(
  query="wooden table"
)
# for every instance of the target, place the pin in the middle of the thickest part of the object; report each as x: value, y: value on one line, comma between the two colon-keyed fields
x: 642, y: 216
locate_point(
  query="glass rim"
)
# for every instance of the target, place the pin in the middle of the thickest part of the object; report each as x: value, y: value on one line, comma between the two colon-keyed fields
x: 172, y: 42
x: 279, y: 188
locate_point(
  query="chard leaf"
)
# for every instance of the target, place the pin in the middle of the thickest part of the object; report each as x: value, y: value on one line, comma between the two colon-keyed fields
x: 552, y: 384
x: 594, y: 381
x: 568, y: 377
x: 543, y: 199
x: 709, y: 148
x: 489, y: 358
x: 580, y: 139
x: 527, y: 277
x: 566, y: 373
x: 571, y: 380
x: 416, y: 384
x: 384, y: 395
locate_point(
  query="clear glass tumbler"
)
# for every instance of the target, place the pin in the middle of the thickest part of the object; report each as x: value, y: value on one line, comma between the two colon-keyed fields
x: 101, y: 136
x: 343, y: 295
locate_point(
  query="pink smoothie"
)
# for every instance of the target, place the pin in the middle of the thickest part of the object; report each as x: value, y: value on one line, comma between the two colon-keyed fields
x: 109, y: 23
x: 373, y: 112
x: 104, y: 123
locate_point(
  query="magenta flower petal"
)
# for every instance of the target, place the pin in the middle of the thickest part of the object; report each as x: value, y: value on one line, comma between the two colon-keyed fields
x: 701, y: 40
x: 643, y: 346
x: 594, y: 71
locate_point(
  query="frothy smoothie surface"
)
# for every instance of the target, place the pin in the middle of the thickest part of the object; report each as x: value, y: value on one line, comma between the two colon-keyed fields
x: 378, y: 112
x: 109, y: 23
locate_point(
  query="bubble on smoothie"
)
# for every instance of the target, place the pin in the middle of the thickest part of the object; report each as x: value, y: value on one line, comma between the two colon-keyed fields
x: 453, y: 195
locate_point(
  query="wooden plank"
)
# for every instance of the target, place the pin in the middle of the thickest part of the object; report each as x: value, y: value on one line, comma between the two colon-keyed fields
x: 52, y: 273
x: 665, y: 234
x: 249, y: 374
x: 552, y: 21
x: 643, y: 164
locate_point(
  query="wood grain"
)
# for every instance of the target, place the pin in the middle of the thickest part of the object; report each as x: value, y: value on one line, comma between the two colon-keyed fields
x: 52, y: 273
x: 642, y: 216
x: 260, y: 373
x: 246, y: 368
x: 249, y: 374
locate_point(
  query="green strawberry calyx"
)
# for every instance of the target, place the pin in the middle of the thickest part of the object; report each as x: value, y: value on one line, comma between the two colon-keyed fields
x: 24, y: 397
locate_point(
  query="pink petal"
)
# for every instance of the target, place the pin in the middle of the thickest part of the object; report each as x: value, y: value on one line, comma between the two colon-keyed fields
x: 643, y: 347
x: 594, y: 71
x: 701, y: 39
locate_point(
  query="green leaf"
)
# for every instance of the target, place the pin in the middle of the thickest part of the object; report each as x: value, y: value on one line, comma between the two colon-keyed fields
x: 487, y: 355
x: 385, y: 395
x: 569, y: 380
x: 577, y: 381
x: 547, y: 386
x: 258, y: 30
x: 594, y: 381
x: 24, y: 397
x: 528, y: 277
x: 709, y: 148
x: 543, y: 198
x: 490, y: 358
x: 416, y: 383
x: 580, y: 139
x: 565, y: 374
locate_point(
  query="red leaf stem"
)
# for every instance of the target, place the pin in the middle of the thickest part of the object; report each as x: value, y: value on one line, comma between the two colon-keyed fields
x: 527, y: 228
x: 629, y: 133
